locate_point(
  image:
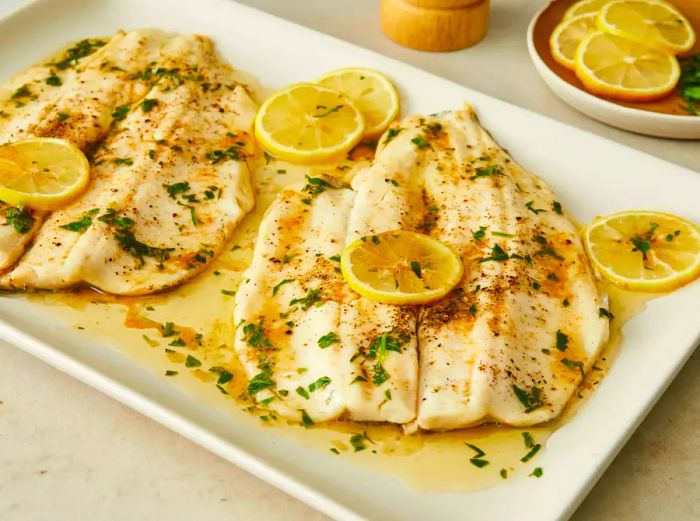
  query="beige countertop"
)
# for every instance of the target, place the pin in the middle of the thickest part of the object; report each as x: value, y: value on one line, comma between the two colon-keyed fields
x: 68, y: 452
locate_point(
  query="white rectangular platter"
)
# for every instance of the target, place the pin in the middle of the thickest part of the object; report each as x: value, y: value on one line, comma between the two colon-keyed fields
x: 591, y: 176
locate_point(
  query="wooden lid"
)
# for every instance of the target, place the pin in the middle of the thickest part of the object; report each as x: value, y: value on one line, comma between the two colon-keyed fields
x: 435, y: 25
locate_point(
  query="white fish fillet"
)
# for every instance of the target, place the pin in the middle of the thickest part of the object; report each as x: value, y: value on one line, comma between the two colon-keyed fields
x: 510, y: 344
x: 169, y: 185
x: 73, y: 96
x: 304, y: 338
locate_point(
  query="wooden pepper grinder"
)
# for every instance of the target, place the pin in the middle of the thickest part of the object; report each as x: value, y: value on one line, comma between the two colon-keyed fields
x: 435, y: 25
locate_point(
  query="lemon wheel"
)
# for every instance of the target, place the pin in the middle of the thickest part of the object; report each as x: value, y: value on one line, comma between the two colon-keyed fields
x: 399, y: 267
x: 307, y: 123
x: 42, y: 173
x: 643, y: 250
x: 650, y: 22
x: 619, y: 68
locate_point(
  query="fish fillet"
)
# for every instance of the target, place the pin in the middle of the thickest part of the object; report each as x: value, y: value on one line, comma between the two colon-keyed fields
x: 169, y: 184
x: 311, y: 347
x: 72, y: 96
x: 509, y: 344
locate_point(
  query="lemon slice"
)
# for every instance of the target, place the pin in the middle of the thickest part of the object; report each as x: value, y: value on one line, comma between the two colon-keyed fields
x: 42, y: 173
x: 584, y: 7
x: 567, y: 36
x: 618, y: 68
x: 399, y: 267
x: 306, y: 123
x: 371, y: 92
x: 645, y: 251
x: 651, y: 22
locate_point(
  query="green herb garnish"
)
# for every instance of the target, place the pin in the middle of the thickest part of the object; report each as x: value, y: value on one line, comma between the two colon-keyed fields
x: 328, y: 339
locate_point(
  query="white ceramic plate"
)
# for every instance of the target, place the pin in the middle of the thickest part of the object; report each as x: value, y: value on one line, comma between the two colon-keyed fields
x: 626, y: 118
x: 591, y: 176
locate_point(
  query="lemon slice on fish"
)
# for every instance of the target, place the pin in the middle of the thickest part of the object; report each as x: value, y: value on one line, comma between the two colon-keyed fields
x: 42, y: 173
x: 655, y: 23
x: 399, y: 267
x: 307, y: 123
x: 371, y: 92
x: 643, y: 250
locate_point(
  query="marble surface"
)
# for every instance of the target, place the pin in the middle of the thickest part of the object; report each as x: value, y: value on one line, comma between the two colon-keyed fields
x: 68, y: 452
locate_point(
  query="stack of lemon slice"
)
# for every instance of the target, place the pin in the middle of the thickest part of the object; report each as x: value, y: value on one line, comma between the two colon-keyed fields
x: 623, y: 49
x: 321, y: 121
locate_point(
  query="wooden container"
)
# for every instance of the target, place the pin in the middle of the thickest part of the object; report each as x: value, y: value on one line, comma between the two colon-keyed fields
x: 435, y: 25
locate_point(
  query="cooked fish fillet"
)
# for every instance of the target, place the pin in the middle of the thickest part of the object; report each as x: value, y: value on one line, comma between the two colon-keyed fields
x: 305, y: 339
x: 509, y: 344
x: 73, y: 96
x: 169, y: 184
x: 513, y: 341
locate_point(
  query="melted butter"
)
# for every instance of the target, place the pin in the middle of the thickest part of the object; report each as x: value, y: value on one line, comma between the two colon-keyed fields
x: 201, y: 315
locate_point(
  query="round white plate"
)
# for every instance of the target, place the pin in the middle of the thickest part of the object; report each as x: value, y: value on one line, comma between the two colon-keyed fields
x: 634, y: 120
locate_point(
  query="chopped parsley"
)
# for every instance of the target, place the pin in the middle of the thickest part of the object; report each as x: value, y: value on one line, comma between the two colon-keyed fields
x: 531, y: 399
x: 537, y: 472
x: 528, y: 440
x: 170, y: 373
x: 302, y: 392
x: 233, y: 153
x: 487, y: 171
x: 21, y: 92
x: 321, y: 383
x: 225, y: 376
x: 504, y: 473
x: 548, y: 251
x: 178, y: 342
x: 415, y: 267
x: 358, y: 441
x: 498, y: 254
x: 571, y: 364
x: 259, y: 382
x: 534, y: 450
x: 191, y: 361
x: 148, y: 104
x: 20, y: 218
x: 312, y: 298
x: 279, y: 285
x: 529, y: 206
x: 119, y: 161
x: 642, y: 243
x: 480, y: 233
x: 54, y: 81
x: 325, y: 111
x: 604, y: 313
x: 314, y: 187
x: 80, y: 50
x: 391, y: 134
x: 229, y: 292
x: 556, y: 206
x: 177, y: 188
x: 562, y: 341
x: 419, y: 141
x: 328, y: 340
x: 120, y: 112
x: 168, y: 329
x: 306, y: 420
x: 124, y: 236
x: 477, y: 460
x: 62, y: 116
